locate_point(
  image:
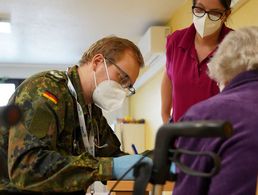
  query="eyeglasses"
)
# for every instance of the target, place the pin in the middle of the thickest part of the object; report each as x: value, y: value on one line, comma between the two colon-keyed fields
x: 124, y: 79
x: 213, y: 15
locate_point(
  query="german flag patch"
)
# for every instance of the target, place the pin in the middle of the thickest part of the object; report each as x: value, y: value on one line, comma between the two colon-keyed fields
x: 50, y: 96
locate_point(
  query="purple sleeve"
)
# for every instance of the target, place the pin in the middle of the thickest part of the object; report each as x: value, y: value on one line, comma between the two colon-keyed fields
x: 239, y: 168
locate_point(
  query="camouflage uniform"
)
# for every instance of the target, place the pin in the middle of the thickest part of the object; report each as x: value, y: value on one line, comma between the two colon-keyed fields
x: 45, y: 150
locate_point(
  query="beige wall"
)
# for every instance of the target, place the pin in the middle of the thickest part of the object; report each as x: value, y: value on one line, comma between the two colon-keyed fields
x: 246, y: 15
x: 146, y: 102
x: 182, y: 17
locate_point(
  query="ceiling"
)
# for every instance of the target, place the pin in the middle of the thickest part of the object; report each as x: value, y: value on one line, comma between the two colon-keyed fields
x: 55, y: 33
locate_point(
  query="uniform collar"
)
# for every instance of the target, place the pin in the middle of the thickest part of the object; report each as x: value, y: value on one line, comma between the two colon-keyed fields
x: 75, y: 79
x: 188, y: 37
x: 242, y: 78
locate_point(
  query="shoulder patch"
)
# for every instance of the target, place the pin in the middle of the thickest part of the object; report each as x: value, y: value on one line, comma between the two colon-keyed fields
x: 50, y: 96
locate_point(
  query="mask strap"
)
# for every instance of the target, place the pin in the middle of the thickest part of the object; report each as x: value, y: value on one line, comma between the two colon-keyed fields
x: 94, y: 77
x: 105, y: 63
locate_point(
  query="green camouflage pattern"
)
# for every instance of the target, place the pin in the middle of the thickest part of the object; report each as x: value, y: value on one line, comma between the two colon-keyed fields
x: 44, y: 150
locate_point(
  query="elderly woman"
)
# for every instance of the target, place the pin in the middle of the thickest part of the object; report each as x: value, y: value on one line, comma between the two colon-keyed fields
x: 235, y: 68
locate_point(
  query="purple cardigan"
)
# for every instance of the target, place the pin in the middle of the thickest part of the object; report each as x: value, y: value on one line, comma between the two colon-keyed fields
x: 238, y: 104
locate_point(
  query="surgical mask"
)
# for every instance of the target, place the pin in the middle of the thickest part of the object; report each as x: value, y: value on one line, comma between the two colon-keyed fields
x: 204, y: 26
x: 108, y: 95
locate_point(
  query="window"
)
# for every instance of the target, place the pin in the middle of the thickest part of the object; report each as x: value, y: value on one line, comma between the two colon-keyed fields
x: 7, y: 88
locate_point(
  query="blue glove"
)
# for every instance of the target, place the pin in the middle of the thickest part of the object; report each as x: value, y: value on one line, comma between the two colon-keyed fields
x: 123, y: 163
x: 172, y: 168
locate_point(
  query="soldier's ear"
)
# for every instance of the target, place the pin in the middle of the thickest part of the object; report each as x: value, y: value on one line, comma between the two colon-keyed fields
x: 97, y: 61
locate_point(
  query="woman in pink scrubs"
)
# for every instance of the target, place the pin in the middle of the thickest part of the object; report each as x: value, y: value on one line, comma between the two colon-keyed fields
x: 185, y: 81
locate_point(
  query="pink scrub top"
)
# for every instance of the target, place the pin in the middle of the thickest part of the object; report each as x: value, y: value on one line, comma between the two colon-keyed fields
x: 190, y: 82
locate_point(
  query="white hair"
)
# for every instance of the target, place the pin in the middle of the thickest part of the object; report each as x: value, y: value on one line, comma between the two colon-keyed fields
x: 237, y: 53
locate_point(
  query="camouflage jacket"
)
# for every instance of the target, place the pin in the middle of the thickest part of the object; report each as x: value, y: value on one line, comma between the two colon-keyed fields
x: 45, y: 151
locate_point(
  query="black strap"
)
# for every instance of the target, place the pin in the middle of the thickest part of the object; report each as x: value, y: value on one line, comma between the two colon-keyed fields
x: 214, y: 157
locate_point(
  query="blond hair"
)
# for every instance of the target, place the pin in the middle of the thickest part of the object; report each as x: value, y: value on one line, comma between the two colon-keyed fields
x: 112, y: 48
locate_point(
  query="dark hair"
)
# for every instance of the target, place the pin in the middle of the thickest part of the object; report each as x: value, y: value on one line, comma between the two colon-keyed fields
x: 226, y: 3
x: 112, y: 48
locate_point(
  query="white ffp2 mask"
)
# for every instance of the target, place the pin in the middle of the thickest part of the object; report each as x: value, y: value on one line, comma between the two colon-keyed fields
x: 108, y: 95
x: 204, y: 26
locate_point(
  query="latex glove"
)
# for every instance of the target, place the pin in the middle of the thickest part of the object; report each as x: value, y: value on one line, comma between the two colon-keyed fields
x: 172, y: 168
x: 123, y: 163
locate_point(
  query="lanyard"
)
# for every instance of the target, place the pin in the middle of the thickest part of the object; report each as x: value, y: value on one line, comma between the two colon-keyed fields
x: 88, y: 140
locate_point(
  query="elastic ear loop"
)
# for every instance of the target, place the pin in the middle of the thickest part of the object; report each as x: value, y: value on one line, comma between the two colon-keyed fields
x: 94, y: 77
x: 94, y: 73
x: 106, y: 69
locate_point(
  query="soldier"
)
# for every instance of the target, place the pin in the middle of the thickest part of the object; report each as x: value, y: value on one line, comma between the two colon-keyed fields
x: 63, y: 143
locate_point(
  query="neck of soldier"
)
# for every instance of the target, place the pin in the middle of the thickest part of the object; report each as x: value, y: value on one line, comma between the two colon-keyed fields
x: 85, y: 74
